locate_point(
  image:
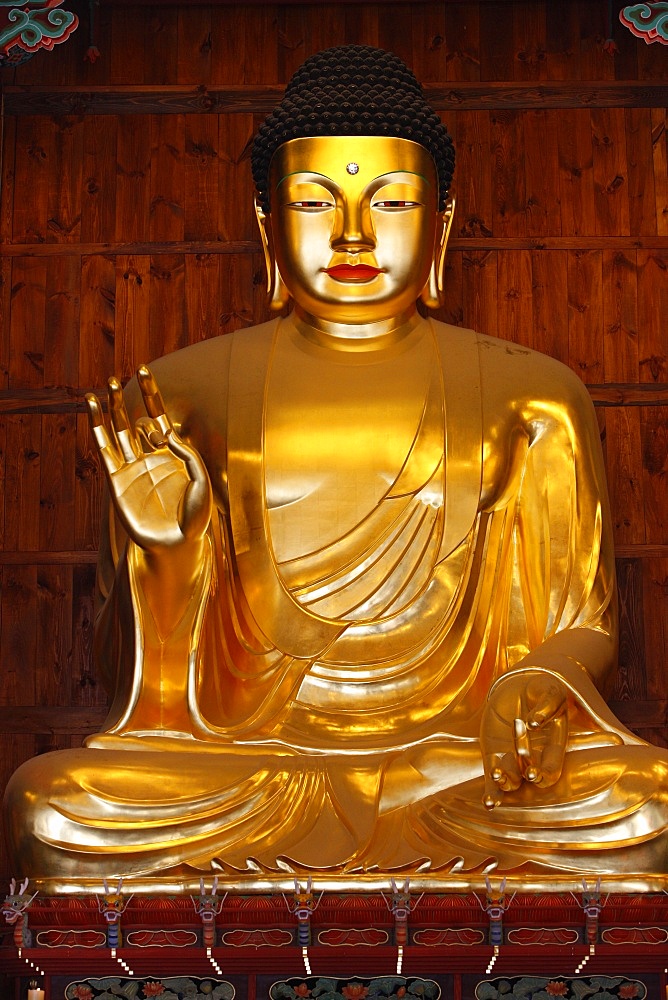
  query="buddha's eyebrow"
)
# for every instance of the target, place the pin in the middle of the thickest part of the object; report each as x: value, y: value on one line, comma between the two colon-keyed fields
x: 325, y: 177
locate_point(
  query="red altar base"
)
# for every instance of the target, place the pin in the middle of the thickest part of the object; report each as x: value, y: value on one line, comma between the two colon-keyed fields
x: 256, y: 941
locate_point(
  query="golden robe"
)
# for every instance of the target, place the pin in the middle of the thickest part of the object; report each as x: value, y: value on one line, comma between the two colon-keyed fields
x: 394, y: 531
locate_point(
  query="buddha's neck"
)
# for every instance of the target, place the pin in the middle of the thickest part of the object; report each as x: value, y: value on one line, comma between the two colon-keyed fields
x: 352, y: 337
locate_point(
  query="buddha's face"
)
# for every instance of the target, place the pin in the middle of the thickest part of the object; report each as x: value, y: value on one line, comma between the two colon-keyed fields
x: 353, y: 223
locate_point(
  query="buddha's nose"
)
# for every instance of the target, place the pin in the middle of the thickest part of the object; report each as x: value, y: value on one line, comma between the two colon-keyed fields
x: 353, y: 230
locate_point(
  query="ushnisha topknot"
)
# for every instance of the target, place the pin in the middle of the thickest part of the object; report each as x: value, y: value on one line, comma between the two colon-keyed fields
x: 353, y: 90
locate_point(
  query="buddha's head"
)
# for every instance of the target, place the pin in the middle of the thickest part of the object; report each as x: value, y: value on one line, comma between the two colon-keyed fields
x: 352, y: 171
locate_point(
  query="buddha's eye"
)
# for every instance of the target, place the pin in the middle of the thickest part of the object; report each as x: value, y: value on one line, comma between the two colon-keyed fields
x: 391, y: 203
x: 311, y: 205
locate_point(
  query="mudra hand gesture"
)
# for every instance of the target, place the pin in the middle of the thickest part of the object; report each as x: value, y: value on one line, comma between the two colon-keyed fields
x: 523, y: 733
x: 159, y: 485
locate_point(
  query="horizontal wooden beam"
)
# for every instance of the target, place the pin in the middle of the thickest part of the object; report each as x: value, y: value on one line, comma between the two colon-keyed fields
x: 79, y: 557
x: 249, y: 99
x: 66, y: 399
x: 458, y: 244
x: 59, y: 719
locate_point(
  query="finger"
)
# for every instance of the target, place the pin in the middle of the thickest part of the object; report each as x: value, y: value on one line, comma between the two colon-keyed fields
x: 551, y: 765
x: 120, y: 422
x: 545, y: 702
x: 527, y: 762
x: 106, y: 447
x: 153, y: 398
x: 150, y: 434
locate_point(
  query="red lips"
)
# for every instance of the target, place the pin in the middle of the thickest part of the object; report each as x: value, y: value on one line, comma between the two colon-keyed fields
x: 353, y: 272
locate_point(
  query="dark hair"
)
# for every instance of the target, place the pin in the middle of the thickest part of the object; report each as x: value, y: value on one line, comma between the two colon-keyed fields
x: 353, y: 90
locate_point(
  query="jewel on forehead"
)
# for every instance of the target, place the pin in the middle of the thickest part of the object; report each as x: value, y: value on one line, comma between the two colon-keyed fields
x: 352, y: 168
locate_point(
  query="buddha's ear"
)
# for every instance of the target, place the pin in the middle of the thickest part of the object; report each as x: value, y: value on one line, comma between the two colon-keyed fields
x: 432, y: 293
x: 279, y: 296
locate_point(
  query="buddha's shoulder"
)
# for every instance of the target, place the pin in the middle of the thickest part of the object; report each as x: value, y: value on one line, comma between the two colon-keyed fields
x: 511, y: 374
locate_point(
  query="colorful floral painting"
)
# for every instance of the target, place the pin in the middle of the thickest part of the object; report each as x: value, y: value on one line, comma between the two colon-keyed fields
x: 648, y: 21
x: 541, y: 988
x: 381, y: 988
x: 172, y: 988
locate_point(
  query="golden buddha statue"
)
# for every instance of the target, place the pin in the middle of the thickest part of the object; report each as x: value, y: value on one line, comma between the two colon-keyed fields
x: 357, y: 597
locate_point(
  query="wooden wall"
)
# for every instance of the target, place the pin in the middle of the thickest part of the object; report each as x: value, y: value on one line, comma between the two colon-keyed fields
x: 126, y: 232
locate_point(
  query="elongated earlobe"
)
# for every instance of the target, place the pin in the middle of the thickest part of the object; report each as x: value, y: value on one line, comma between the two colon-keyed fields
x: 279, y: 296
x: 432, y: 293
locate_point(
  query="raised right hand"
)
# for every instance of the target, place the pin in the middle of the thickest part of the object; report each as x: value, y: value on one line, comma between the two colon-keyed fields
x: 158, y: 484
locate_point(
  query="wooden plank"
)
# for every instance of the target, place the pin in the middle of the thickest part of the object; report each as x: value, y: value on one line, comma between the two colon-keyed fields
x: 395, y: 33
x: 21, y: 486
x: 291, y: 34
x: 515, y: 322
x: 585, y: 312
x: 541, y: 165
x: 227, y: 51
x: 652, y: 312
x: 474, y: 214
x: 530, y: 40
x: 611, y: 191
x: 18, y: 612
x: 28, y: 302
x: 97, y: 320
x: 168, y: 324
x: 508, y: 177
x: 61, y: 336
x: 631, y: 680
x: 259, y: 52
x: 201, y: 177
x: 37, y: 558
x: 86, y: 687
x: 234, y: 213
x: 654, y: 437
x: 624, y: 468
x: 56, y: 497
x: 549, y: 284
x: 659, y: 118
x: 133, y: 179
x: 479, y: 291
x: 329, y: 27
x: 235, y: 247
x: 54, y: 636
x: 640, y: 171
x: 462, y: 35
x: 496, y: 45
x: 202, y: 309
x: 127, y: 45
x: 64, y: 197
x: 7, y: 175
x: 261, y: 95
x: 61, y: 720
x: 428, y: 58
x: 563, y: 40
x: 194, y: 44
x: 98, y: 197
x: 5, y: 319
x: 168, y: 178
x: 655, y: 603
x: 131, y: 346
x: 88, y: 490
x: 161, y: 45
x: 362, y: 23
x: 595, y: 62
x: 620, y: 317
x: 33, y: 168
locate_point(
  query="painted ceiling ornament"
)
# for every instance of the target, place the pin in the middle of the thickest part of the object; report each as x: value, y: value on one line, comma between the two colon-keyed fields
x: 648, y: 21
x: 26, y: 26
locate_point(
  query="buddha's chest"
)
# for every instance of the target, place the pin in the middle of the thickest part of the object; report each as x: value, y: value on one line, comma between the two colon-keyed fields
x: 336, y: 437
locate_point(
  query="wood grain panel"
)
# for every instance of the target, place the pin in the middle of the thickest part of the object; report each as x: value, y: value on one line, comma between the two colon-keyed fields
x: 168, y: 178
x: 98, y: 197
x: 549, y: 284
x: 640, y: 171
x: 585, y: 308
x: 23, y: 444
x: 132, y: 330
x: 34, y: 161
x: 201, y: 177
x: 194, y: 44
x: 19, y: 617
x: 610, y: 181
x: 54, y: 635
x: 133, y: 178
x: 167, y: 321
x: 655, y: 603
x: 631, y: 681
